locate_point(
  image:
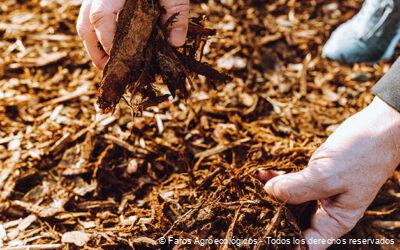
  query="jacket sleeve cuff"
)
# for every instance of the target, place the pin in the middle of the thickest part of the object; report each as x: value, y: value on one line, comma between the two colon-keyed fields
x: 388, y: 87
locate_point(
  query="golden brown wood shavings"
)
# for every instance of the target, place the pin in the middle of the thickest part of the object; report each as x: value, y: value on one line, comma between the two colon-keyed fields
x: 183, y: 169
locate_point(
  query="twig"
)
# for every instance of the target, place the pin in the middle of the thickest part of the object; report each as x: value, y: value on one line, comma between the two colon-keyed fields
x: 120, y: 143
x: 180, y: 219
x: 76, y: 94
x: 229, y: 233
x: 34, y: 247
x: 220, y: 148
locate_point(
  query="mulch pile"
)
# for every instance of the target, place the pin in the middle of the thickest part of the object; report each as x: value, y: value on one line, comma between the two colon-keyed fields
x: 71, y: 176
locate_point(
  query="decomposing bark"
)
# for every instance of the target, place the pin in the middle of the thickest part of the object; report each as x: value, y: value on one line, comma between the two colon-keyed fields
x: 141, y: 51
x: 135, y: 25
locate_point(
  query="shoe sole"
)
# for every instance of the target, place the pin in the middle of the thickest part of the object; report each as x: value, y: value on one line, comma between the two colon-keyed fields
x: 389, y: 51
x: 386, y: 56
x: 392, y: 47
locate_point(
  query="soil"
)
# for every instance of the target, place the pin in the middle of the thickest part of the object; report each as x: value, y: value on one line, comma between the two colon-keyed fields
x: 72, y: 177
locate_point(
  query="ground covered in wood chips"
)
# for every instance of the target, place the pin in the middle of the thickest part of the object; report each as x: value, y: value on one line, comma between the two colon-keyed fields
x: 73, y: 177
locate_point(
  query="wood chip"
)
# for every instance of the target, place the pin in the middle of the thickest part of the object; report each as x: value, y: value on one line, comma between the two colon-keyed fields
x: 78, y: 238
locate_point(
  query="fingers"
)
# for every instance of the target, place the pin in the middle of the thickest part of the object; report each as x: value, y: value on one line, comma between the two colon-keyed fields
x: 97, y: 23
x: 103, y: 17
x: 88, y: 35
x: 266, y: 175
x: 331, y: 222
x: 306, y: 185
x: 180, y: 26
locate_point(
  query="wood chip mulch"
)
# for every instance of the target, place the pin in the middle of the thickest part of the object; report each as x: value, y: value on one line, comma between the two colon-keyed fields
x: 71, y: 176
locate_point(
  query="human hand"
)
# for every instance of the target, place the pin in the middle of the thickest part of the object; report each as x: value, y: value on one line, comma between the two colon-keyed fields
x: 97, y: 22
x: 345, y: 173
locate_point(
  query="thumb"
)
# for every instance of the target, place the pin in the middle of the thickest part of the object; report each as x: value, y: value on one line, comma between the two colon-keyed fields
x: 103, y: 17
x: 180, y: 26
x: 331, y: 221
x: 296, y: 188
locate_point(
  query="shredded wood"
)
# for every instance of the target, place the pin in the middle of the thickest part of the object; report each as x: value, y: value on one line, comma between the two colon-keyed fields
x: 71, y: 176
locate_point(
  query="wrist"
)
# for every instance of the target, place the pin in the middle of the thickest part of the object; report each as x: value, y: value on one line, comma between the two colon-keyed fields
x: 386, y: 124
x: 389, y: 117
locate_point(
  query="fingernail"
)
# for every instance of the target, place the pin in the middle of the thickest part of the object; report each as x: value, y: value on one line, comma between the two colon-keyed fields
x: 177, y: 37
x: 268, y: 186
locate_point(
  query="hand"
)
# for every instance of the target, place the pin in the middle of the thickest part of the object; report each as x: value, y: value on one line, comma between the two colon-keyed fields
x: 345, y: 173
x: 97, y: 22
